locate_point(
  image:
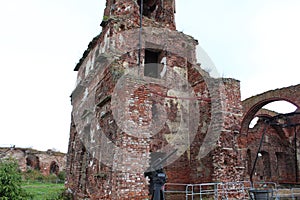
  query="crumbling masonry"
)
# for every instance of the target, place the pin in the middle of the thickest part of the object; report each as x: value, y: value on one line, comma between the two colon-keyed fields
x: 279, y: 155
x: 141, y: 95
x: 47, y: 162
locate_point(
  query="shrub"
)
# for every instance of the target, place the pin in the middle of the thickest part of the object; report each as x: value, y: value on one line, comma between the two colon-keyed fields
x: 61, y: 176
x: 10, y: 181
x: 51, y: 178
x: 33, y: 175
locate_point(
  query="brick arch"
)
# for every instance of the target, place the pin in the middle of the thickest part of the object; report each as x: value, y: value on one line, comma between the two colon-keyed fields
x: 33, y: 162
x: 265, y: 113
x: 54, y: 168
x: 253, y: 104
x: 278, y: 129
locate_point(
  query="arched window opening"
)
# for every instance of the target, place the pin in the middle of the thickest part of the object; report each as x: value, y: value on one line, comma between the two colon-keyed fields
x: 33, y: 162
x: 54, y: 168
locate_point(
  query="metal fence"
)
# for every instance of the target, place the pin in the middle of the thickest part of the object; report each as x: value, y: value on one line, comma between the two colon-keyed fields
x: 229, y: 190
x: 203, y: 191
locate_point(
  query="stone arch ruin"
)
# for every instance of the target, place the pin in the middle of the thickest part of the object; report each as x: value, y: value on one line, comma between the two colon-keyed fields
x: 277, y: 160
x: 33, y: 162
x: 31, y: 159
x: 253, y: 104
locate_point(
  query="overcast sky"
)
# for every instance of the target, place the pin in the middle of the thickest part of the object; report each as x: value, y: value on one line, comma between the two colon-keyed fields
x: 254, y: 41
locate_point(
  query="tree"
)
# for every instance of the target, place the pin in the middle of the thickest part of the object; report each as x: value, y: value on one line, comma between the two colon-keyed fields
x: 10, y: 181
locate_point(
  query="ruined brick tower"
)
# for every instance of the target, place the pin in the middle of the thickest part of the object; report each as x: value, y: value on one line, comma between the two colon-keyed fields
x: 141, y: 96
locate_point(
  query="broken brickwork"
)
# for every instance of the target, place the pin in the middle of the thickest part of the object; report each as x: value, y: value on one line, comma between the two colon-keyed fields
x: 47, y: 162
x: 277, y: 161
x: 252, y: 105
x: 141, y: 95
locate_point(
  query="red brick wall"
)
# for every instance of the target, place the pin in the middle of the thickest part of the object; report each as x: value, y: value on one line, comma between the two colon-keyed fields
x: 253, y: 104
x: 277, y: 160
x: 120, y: 117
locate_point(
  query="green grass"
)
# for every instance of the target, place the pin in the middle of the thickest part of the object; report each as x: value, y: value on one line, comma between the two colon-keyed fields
x: 44, y: 191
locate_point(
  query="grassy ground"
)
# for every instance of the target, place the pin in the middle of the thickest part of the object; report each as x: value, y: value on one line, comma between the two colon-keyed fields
x: 44, y: 191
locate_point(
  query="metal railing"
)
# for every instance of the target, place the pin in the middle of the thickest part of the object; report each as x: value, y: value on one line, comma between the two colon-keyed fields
x: 215, y: 191
x: 287, y: 193
x: 175, y: 188
x: 202, y: 190
x: 228, y: 190
x: 295, y: 193
x: 263, y: 190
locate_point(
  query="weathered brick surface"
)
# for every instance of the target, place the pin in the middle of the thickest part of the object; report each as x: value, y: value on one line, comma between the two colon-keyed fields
x: 45, y: 162
x: 253, y: 104
x: 114, y: 105
x: 277, y: 161
x: 222, y: 149
x: 226, y: 157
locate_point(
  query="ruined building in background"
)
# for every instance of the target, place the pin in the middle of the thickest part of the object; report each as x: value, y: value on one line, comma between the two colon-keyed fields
x: 47, y: 162
x: 279, y: 154
x: 141, y: 96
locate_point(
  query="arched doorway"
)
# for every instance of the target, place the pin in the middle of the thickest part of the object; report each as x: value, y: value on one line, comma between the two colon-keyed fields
x: 33, y: 162
x: 54, y: 168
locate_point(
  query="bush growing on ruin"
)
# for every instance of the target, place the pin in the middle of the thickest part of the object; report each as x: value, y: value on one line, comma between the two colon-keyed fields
x: 51, y: 178
x: 61, y: 176
x: 10, y: 181
x: 33, y: 175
